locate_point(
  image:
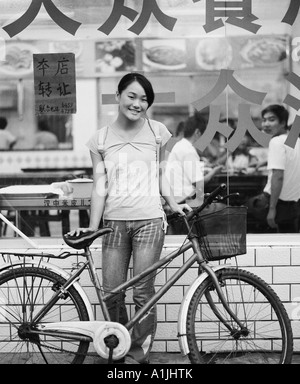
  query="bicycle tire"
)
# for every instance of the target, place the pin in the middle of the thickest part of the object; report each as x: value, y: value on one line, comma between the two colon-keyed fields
x: 23, y: 292
x: 268, y: 339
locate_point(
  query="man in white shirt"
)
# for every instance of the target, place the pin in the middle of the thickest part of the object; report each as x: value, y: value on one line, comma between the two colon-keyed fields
x: 283, y: 183
x: 184, y: 168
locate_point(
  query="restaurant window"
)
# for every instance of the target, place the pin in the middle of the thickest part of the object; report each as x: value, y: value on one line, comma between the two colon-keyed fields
x: 227, y: 73
x: 30, y: 132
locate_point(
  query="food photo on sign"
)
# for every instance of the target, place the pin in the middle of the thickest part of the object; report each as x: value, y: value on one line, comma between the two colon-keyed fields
x: 164, y: 55
x: 115, y: 56
x: 18, y: 59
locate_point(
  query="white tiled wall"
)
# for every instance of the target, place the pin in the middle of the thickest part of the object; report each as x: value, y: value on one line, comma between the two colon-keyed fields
x: 278, y: 263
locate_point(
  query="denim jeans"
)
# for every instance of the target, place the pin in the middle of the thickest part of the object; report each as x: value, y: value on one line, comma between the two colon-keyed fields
x: 287, y: 216
x: 143, y: 241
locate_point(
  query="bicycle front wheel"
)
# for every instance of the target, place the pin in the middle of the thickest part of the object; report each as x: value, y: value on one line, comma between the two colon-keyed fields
x: 23, y: 293
x: 215, y: 338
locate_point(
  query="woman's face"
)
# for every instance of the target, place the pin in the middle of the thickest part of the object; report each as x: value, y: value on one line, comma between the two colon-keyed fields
x: 271, y: 124
x: 133, y: 101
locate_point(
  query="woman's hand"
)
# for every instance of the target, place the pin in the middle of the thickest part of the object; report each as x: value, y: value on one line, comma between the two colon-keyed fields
x: 78, y: 231
x: 180, y: 208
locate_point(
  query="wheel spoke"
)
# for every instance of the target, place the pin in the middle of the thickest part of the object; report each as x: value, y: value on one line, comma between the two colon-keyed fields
x: 266, y: 336
x: 23, y: 292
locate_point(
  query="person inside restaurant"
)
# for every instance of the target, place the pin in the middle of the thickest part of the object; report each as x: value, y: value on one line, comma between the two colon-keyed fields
x: 7, y: 139
x: 283, y: 185
x: 215, y: 153
x: 241, y: 160
x: 185, y: 169
x: 44, y: 139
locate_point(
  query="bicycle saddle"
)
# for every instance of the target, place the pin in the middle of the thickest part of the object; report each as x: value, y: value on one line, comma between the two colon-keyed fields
x: 85, y: 239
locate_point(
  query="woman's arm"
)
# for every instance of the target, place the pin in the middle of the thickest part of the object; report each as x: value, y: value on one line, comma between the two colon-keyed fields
x: 99, y: 192
x: 98, y: 196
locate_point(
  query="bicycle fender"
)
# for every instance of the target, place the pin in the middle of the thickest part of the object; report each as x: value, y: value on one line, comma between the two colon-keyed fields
x: 54, y: 268
x: 181, y: 325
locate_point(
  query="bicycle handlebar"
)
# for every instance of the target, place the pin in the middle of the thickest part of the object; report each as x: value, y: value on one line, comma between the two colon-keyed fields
x: 208, y: 200
x: 211, y: 197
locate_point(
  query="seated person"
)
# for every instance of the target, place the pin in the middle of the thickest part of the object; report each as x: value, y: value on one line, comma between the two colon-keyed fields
x: 241, y: 159
x: 214, y: 152
x: 7, y: 139
x: 44, y: 139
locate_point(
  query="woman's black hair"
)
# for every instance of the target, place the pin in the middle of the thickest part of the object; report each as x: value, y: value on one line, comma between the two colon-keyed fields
x: 142, y: 80
x: 279, y: 111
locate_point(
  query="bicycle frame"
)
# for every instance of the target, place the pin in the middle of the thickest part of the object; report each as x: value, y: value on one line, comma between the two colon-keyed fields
x: 41, y: 318
x: 93, y: 331
x: 104, y: 297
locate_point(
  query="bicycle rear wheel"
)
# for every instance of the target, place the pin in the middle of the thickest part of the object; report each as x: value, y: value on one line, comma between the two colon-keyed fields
x: 266, y: 337
x: 23, y: 293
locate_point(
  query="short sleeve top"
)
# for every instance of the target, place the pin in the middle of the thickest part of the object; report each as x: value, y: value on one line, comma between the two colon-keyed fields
x: 184, y: 169
x: 287, y: 159
x: 131, y: 171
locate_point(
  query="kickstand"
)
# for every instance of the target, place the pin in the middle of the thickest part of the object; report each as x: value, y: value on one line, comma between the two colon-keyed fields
x: 110, y: 357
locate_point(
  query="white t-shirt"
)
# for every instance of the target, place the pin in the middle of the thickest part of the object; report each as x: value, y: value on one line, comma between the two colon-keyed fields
x: 131, y: 172
x: 183, y: 170
x: 281, y: 156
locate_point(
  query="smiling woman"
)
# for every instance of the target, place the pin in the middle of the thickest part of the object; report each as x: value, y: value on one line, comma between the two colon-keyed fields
x: 135, y: 95
x: 127, y: 185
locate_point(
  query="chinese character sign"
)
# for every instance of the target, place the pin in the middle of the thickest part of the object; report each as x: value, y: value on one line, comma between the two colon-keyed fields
x: 238, y: 13
x: 217, y: 13
x: 54, y: 83
x: 29, y: 16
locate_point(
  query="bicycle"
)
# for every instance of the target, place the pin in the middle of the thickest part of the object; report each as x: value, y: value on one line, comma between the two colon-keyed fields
x: 228, y: 315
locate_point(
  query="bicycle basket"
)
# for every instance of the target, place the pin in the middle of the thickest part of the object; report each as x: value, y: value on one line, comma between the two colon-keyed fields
x: 222, y: 234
